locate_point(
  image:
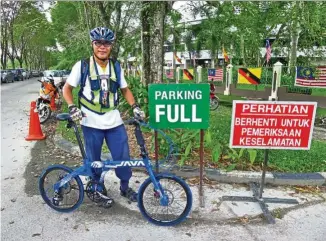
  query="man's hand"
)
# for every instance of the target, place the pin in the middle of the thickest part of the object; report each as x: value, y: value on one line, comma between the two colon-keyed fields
x: 75, y: 113
x: 138, y: 113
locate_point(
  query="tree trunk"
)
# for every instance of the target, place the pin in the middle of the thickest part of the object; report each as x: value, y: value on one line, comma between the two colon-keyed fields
x: 13, y: 48
x: 12, y: 60
x: 157, y: 57
x: 145, y: 37
x: 242, y: 46
x: 4, y: 46
x: 295, y: 31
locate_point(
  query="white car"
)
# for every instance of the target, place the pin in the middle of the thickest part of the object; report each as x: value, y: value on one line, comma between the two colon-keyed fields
x: 56, y: 74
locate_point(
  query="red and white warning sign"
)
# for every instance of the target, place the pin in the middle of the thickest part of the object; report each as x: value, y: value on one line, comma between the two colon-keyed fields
x: 272, y: 125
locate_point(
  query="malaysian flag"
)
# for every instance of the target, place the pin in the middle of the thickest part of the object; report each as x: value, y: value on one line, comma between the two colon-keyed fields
x: 311, y: 77
x: 169, y: 73
x: 268, y: 51
x: 215, y: 74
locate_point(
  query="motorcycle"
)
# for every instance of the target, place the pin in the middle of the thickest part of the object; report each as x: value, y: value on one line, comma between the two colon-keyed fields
x: 43, y: 108
x: 43, y: 102
x: 214, y: 100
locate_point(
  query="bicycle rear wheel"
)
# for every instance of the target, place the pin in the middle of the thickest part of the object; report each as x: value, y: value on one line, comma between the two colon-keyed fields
x: 179, y: 201
x: 70, y: 195
x: 214, y: 103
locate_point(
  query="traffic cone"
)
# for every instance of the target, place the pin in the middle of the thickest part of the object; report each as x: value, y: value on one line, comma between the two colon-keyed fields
x: 35, y: 130
x: 52, y: 104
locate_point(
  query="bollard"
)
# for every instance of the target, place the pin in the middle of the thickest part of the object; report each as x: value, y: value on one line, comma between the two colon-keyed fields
x: 177, y: 79
x: 199, y: 74
x: 276, y: 81
x: 228, y: 79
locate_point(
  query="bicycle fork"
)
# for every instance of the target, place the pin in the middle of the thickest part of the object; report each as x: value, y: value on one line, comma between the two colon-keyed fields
x: 164, y: 199
x: 158, y: 189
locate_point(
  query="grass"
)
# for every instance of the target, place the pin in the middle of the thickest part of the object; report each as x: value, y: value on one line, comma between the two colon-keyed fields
x: 318, y: 92
x: 66, y: 133
x: 251, y: 87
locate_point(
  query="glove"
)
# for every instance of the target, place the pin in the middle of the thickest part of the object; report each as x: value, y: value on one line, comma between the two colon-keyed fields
x: 138, y: 113
x: 75, y: 113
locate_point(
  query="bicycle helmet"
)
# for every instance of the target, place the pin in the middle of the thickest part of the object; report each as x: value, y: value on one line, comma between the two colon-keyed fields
x: 101, y: 33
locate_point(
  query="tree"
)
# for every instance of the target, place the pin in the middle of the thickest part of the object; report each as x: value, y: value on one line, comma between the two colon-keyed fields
x: 9, y: 12
x: 31, y: 31
x: 72, y: 22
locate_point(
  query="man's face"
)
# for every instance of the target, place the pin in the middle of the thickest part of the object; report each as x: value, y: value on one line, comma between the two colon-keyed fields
x: 102, y: 49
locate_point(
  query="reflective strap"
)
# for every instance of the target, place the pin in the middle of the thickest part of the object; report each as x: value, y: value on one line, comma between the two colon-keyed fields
x: 111, y: 99
x: 95, y: 108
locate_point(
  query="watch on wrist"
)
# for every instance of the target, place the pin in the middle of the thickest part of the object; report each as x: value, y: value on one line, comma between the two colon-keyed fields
x: 71, y: 106
x: 135, y: 105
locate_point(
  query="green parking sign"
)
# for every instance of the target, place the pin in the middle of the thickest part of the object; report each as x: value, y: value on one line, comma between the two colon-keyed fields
x: 179, y: 106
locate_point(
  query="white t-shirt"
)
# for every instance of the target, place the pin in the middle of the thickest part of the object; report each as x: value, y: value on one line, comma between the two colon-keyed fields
x: 109, y: 119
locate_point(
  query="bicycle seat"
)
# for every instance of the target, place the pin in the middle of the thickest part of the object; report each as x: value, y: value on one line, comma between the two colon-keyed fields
x: 63, y: 117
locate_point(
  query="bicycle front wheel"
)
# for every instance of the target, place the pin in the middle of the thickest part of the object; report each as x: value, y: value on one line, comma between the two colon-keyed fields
x: 179, y: 200
x: 70, y: 195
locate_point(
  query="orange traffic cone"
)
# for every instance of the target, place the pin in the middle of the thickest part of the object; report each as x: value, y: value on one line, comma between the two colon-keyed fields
x: 52, y: 104
x: 35, y: 130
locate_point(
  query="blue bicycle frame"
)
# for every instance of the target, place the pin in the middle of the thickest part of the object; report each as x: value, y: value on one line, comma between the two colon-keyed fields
x: 88, y: 170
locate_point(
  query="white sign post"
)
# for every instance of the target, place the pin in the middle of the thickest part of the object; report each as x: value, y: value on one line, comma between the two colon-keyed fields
x: 199, y: 76
x: 177, y: 79
x: 276, y: 80
x: 228, y: 79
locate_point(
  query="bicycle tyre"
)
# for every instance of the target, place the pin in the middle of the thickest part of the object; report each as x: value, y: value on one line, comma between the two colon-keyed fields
x: 214, y: 107
x: 186, y: 210
x: 48, y: 201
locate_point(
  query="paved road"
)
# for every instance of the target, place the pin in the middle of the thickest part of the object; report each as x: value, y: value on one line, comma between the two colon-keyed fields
x: 25, y: 217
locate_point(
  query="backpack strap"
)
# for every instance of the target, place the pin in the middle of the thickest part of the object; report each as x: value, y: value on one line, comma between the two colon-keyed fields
x: 84, y: 69
x: 117, y: 70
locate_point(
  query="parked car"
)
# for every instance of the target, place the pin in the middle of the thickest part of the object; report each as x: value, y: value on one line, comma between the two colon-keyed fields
x: 7, y: 76
x: 24, y: 73
x: 18, y: 74
x: 29, y: 74
x: 56, y: 74
x: 65, y: 74
x: 36, y: 73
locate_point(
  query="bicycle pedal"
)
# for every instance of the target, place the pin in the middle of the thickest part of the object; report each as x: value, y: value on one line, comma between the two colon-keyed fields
x: 103, y: 196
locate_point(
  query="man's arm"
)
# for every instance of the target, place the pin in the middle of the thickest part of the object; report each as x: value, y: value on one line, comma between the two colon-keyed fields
x: 67, y: 93
x: 127, y: 94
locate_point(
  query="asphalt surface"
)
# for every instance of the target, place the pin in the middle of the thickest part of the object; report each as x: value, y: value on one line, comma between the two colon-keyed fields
x: 24, y: 216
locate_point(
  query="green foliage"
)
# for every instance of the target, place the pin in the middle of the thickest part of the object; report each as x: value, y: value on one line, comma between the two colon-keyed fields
x: 140, y: 93
x: 287, y: 80
x: 252, y: 155
x: 33, y: 37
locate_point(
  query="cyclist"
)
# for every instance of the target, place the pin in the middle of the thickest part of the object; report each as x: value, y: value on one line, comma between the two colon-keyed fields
x: 99, y: 78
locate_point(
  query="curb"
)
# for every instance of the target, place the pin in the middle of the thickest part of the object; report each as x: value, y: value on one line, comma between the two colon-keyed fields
x: 274, y: 178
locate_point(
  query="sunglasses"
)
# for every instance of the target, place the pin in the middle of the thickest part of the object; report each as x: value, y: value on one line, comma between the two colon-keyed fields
x: 104, y: 43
